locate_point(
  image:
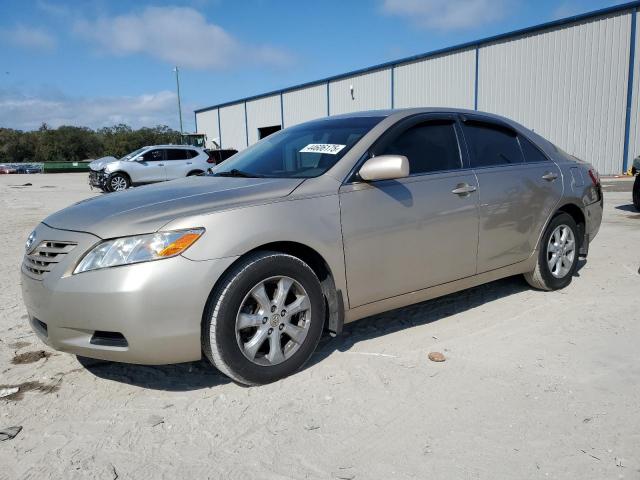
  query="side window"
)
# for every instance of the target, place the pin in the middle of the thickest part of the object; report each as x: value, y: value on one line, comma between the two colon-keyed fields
x: 429, y: 146
x: 192, y: 154
x: 153, y: 156
x: 176, y: 154
x: 531, y: 152
x: 492, y: 145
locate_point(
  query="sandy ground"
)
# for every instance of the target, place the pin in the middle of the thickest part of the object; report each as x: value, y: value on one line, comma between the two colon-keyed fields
x: 536, y: 385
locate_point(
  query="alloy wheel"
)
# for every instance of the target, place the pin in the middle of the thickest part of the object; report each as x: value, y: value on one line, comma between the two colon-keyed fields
x: 561, y: 251
x: 118, y: 183
x: 273, y: 320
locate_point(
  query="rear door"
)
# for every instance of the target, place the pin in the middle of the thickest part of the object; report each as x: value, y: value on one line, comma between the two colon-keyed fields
x: 412, y: 233
x: 150, y: 168
x: 178, y: 162
x: 516, y: 196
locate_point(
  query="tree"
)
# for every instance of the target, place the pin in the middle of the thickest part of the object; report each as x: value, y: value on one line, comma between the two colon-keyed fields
x: 68, y: 143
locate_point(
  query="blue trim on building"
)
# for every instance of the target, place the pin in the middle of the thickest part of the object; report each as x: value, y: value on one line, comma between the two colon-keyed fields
x: 328, y: 104
x: 393, y: 94
x: 632, y: 61
x: 462, y: 46
x: 475, y: 90
x: 219, y: 130
x: 246, y: 124
x: 281, y: 111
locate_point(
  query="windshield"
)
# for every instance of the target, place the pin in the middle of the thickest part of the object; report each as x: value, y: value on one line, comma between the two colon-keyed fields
x: 134, y: 154
x: 303, y: 151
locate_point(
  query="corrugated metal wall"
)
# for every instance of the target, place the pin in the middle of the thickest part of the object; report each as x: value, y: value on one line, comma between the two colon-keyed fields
x: 371, y: 91
x: 208, y: 124
x: 232, y: 126
x: 446, y: 80
x: 304, y: 104
x: 634, y: 130
x: 263, y: 112
x: 568, y: 84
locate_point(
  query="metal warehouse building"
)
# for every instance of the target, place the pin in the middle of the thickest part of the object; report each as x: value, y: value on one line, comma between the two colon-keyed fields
x: 576, y: 81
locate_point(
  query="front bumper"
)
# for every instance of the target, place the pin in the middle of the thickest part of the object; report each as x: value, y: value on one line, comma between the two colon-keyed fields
x: 98, y: 178
x: 156, y: 306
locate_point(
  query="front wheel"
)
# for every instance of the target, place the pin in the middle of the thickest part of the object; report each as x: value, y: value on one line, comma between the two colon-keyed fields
x: 636, y: 192
x: 264, y: 319
x: 118, y: 182
x: 558, y: 255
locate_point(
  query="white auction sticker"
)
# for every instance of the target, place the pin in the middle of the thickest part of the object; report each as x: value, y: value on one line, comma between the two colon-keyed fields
x: 329, y: 148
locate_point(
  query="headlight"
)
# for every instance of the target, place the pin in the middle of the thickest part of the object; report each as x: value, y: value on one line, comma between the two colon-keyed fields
x: 30, y: 241
x: 137, y: 249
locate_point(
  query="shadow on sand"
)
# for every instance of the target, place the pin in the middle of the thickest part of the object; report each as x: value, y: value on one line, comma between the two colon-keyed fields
x: 200, y: 374
x: 627, y: 208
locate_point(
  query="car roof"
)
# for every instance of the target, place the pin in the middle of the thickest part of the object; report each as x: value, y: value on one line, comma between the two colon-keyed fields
x: 401, y: 112
x: 173, y: 146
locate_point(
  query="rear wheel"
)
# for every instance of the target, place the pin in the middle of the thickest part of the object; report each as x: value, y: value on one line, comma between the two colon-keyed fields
x: 636, y: 192
x: 558, y: 255
x: 118, y: 182
x: 264, y: 320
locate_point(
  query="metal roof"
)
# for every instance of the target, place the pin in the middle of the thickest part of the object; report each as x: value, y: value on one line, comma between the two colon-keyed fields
x: 462, y: 46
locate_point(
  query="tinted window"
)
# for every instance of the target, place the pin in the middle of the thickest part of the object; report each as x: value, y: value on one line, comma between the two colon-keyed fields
x: 192, y: 154
x: 177, y: 154
x: 153, y: 156
x: 531, y: 152
x: 491, y: 145
x: 430, y: 147
x: 302, y: 151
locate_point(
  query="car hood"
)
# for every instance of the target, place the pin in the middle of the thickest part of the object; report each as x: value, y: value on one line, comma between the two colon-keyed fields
x: 147, y: 209
x: 100, y: 163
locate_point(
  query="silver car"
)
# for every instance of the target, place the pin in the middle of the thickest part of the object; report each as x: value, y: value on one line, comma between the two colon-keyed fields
x: 315, y: 226
x: 157, y: 163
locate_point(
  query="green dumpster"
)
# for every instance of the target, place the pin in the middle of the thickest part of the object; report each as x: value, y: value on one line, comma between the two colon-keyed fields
x: 65, y: 167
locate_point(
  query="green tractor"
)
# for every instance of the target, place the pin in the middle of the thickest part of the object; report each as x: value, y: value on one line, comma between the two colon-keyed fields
x: 196, y: 140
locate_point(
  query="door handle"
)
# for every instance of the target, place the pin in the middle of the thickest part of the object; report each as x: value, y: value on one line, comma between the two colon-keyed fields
x: 161, y: 164
x: 550, y: 176
x: 189, y: 163
x: 463, y: 189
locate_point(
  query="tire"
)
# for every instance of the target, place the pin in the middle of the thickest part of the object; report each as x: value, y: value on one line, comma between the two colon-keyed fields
x: 118, y: 182
x: 636, y: 193
x: 237, y: 334
x: 543, y: 278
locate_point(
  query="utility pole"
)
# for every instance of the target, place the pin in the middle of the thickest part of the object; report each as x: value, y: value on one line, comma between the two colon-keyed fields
x: 179, y: 106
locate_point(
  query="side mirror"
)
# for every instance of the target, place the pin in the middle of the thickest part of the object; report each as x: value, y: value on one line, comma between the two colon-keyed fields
x: 385, y: 167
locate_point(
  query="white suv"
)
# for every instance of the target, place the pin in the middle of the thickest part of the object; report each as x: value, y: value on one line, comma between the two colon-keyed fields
x: 156, y: 163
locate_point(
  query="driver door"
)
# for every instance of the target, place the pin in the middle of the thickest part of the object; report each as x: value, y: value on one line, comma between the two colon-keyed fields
x: 405, y: 235
x: 150, y: 168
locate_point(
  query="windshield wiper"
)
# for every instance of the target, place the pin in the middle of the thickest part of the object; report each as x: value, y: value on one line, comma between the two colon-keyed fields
x: 236, y: 173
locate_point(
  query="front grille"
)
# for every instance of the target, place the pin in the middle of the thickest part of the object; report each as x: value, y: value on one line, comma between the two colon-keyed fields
x: 108, y: 339
x: 45, y: 256
x: 96, y: 178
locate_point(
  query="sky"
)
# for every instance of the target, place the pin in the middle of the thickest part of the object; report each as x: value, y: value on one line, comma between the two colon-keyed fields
x: 97, y: 63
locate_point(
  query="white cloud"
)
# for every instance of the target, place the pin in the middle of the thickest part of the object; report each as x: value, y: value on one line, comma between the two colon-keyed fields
x: 447, y: 14
x: 565, y: 9
x: 177, y: 35
x: 33, y: 38
x: 27, y: 111
x: 54, y: 9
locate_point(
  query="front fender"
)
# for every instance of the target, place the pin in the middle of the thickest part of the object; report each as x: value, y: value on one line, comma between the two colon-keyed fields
x: 312, y: 221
